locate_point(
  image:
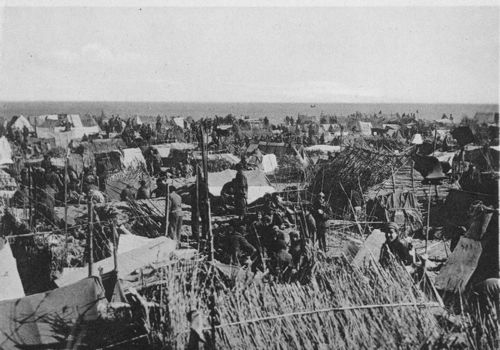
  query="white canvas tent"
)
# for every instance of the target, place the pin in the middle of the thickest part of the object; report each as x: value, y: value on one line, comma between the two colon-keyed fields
x: 417, y: 139
x: 11, y: 286
x: 133, y: 157
x: 22, y: 122
x: 365, y: 128
x: 269, y: 163
x: 258, y: 184
x: 5, y: 152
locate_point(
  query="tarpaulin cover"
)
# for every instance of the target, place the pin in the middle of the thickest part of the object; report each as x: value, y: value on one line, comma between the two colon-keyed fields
x: 156, y: 250
x: 417, y: 139
x: 258, y: 184
x: 5, y: 151
x: 399, y: 207
x: 365, y: 128
x: 10, y: 283
x: 22, y: 122
x: 323, y: 148
x: 269, y: 163
x: 133, y: 157
x: 33, y: 320
x: 179, y: 121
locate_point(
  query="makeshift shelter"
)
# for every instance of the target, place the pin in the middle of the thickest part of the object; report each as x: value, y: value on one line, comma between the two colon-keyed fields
x: 323, y: 149
x: 365, y: 128
x: 65, y: 127
x: 11, y: 286
x: 486, y: 117
x: 179, y: 121
x: 417, y: 139
x: 355, y: 169
x: 399, y: 207
x: 154, y: 251
x: 277, y: 148
x: 133, y: 157
x: 269, y: 163
x: 19, y: 122
x: 5, y: 152
x: 43, y: 320
x: 258, y: 184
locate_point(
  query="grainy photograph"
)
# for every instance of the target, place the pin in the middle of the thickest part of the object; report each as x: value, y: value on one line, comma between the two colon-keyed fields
x: 249, y: 176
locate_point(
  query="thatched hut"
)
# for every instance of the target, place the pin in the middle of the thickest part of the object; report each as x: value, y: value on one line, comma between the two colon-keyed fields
x: 355, y: 170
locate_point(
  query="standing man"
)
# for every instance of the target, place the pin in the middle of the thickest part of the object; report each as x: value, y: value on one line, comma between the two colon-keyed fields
x: 240, y: 192
x: 175, y: 214
x: 321, y: 212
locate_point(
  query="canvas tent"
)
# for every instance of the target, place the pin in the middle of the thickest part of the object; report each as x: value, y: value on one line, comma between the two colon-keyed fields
x: 258, y: 184
x: 365, y: 128
x: 5, y: 152
x: 269, y: 163
x: 323, y: 148
x: 19, y: 122
x: 11, y: 286
x: 31, y: 322
x: 49, y: 126
x: 133, y: 157
x: 179, y: 121
x: 155, y: 250
x: 417, y: 139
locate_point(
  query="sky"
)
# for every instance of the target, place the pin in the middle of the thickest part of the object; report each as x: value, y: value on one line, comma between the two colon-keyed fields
x: 259, y: 54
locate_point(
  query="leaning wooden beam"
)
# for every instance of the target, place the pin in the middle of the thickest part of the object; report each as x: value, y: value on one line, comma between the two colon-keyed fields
x: 332, y: 309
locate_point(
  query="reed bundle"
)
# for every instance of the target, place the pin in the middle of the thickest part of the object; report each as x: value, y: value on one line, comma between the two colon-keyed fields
x: 343, y: 308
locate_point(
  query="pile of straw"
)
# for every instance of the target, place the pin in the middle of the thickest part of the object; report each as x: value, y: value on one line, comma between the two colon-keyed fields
x: 343, y: 308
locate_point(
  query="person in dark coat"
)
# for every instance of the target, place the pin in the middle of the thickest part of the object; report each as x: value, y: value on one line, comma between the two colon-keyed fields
x: 282, y: 260
x: 161, y: 188
x: 238, y: 245
x: 240, y: 192
x: 127, y: 194
x: 143, y: 192
x: 395, y: 246
x: 321, y: 213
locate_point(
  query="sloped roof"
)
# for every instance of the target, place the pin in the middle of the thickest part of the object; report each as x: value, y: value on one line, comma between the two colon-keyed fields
x: 29, y: 321
x: 258, y: 184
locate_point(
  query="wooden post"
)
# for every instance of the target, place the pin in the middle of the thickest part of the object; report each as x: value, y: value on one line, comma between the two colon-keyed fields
x: 205, y: 174
x: 393, y: 180
x: 115, y: 247
x: 30, y: 197
x: 435, y: 140
x: 167, y: 209
x: 90, y: 236
x: 412, y: 175
x: 429, y: 196
x: 66, y: 207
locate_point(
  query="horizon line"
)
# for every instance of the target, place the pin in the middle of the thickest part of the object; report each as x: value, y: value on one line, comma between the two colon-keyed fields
x: 248, y: 102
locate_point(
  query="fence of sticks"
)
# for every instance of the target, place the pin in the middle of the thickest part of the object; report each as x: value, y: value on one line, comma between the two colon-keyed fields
x: 343, y: 307
x: 355, y: 169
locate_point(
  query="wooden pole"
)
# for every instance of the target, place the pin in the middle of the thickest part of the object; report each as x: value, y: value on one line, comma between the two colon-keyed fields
x: 393, y: 180
x: 412, y: 175
x: 115, y: 247
x: 435, y: 140
x: 167, y: 209
x: 429, y: 196
x: 90, y: 236
x: 210, y: 240
x: 66, y: 207
x: 30, y: 197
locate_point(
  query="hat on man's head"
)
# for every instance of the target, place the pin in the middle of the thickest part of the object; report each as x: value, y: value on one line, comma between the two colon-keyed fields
x: 392, y: 225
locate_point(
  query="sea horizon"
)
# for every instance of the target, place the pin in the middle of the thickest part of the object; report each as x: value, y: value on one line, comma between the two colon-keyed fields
x: 275, y: 111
